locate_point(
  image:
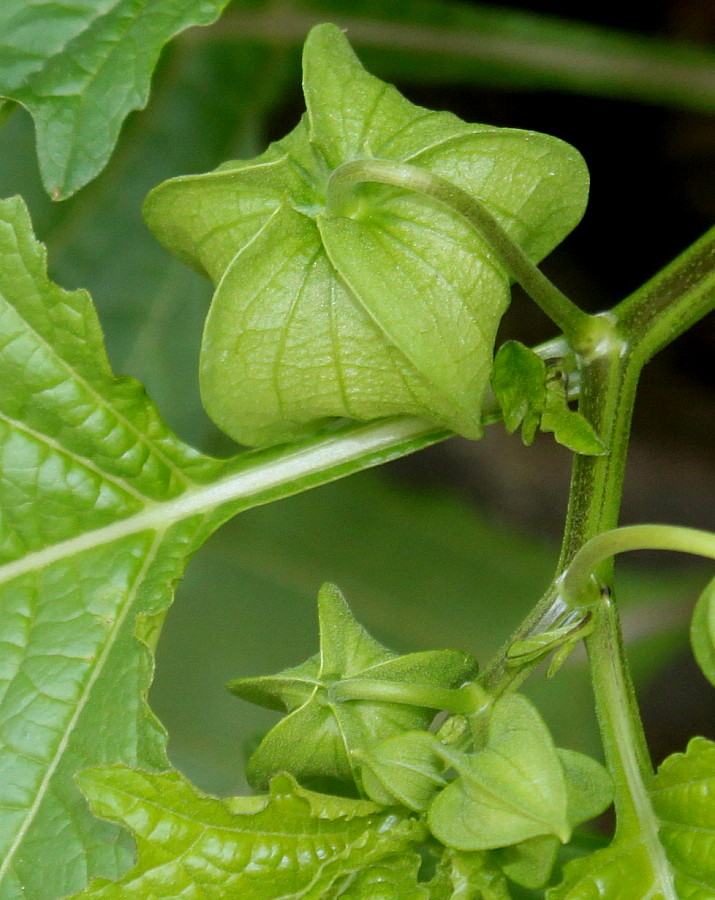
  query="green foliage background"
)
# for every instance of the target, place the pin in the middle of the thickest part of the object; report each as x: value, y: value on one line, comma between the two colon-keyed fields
x: 420, y: 565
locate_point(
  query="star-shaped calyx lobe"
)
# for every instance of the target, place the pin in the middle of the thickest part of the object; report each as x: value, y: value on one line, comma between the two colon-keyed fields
x: 321, y: 736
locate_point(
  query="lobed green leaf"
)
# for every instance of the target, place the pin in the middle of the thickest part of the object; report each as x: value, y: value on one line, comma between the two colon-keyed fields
x: 81, y: 70
x: 84, y: 579
x: 677, y: 862
x: 286, y: 845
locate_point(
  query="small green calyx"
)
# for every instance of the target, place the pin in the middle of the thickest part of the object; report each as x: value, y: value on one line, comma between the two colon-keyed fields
x: 323, y: 734
x: 337, y: 299
x: 511, y: 790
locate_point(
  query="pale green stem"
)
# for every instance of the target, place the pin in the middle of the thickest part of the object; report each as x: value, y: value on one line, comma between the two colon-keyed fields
x: 622, y: 735
x: 582, y: 330
x: 645, y: 322
x: 621, y: 540
x: 467, y: 699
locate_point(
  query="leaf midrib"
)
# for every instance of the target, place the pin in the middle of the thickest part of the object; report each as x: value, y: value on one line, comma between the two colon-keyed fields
x: 287, y: 469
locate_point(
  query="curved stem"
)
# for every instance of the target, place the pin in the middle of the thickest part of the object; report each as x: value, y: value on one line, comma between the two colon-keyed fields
x: 633, y: 537
x: 582, y: 330
x: 467, y: 699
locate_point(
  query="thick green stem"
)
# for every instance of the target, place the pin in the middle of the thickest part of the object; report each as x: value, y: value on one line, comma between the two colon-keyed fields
x: 672, y: 301
x: 642, y: 324
x: 582, y: 330
x: 626, y: 751
x: 608, y: 386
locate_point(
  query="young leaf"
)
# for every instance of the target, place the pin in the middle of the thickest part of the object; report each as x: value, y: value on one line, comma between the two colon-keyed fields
x: 280, y: 846
x: 531, y: 396
x: 387, y: 304
x: 569, y: 427
x: 80, y: 73
x: 518, y: 381
x: 320, y: 735
x: 702, y: 632
x: 678, y: 862
x: 512, y: 790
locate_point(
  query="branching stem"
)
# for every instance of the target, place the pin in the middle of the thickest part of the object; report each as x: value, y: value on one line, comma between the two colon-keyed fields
x: 643, y: 323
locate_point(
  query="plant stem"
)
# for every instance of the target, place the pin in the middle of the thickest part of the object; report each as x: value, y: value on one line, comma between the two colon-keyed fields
x: 581, y: 329
x: 650, y: 318
x: 467, y: 699
x: 626, y: 750
x: 634, y: 537
x: 608, y: 386
x: 672, y: 301
x: 642, y: 324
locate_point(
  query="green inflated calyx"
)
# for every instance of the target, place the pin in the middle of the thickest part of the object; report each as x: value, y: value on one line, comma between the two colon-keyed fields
x: 323, y: 736
x: 382, y: 302
x: 510, y: 791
